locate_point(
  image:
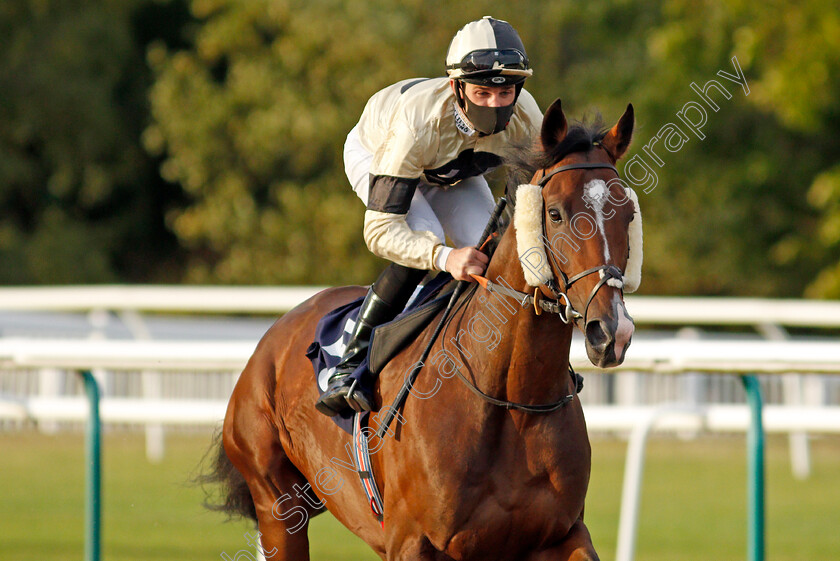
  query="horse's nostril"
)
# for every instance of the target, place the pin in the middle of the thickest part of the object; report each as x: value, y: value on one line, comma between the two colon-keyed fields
x: 597, y: 335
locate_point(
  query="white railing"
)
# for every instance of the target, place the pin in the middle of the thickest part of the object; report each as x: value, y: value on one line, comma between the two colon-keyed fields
x: 768, y: 316
x: 272, y: 300
x: 689, y: 353
x: 158, y: 298
x: 664, y: 355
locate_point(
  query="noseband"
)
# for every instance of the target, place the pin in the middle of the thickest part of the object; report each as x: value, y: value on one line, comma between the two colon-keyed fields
x: 606, y: 272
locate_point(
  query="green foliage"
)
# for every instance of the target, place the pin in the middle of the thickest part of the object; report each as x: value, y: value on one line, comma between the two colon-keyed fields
x: 78, y: 195
x: 202, y: 140
x: 824, y: 195
x: 727, y: 207
x: 252, y: 120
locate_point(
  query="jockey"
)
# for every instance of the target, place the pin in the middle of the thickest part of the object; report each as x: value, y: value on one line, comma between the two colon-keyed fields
x: 416, y: 158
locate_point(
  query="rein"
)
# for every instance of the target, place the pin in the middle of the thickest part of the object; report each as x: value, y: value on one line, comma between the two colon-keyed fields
x: 536, y: 409
x: 566, y: 311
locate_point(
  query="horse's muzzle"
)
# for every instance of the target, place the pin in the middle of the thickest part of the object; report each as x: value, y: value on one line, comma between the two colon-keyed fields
x: 607, y: 338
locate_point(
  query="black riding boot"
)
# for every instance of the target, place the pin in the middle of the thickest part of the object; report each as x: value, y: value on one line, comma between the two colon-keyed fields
x: 384, y: 300
x: 337, y: 397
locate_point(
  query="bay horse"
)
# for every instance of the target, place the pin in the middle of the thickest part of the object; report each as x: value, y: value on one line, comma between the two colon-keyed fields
x: 460, y: 478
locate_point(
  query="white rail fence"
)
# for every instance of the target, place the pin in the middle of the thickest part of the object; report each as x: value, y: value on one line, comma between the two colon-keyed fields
x: 272, y: 300
x: 769, y: 318
x: 168, y: 381
x: 222, y: 362
x: 673, y: 356
x: 157, y: 383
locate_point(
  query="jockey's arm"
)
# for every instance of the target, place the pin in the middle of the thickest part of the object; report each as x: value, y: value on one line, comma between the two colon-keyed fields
x: 388, y: 235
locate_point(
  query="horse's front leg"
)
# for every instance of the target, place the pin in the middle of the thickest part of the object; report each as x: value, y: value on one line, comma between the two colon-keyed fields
x: 576, y: 546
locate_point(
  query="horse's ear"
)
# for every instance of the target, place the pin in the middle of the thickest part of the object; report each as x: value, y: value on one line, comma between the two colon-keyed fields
x: 553, y: 126
x: 618, y: 139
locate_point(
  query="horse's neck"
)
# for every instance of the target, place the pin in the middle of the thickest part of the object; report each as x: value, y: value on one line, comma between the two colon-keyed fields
x: 523, y: 357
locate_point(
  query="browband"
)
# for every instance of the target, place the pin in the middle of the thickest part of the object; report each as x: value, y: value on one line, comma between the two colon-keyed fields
x: 592, y: 165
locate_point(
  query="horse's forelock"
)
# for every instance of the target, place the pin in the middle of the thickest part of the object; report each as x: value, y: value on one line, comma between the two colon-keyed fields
x: 580, y: 138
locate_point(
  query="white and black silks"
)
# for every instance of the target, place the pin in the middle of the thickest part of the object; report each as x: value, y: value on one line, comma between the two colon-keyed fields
x: 414, y: 133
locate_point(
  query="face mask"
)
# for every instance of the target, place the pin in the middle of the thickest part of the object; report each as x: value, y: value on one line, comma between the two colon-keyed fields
x: 488, y: 120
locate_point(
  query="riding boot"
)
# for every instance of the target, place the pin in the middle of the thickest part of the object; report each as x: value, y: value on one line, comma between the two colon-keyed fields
x: 343, y: 391
x: 385, y: 299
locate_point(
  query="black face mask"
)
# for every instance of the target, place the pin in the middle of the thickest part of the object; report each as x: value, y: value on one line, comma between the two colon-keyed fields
x: 487, y: 120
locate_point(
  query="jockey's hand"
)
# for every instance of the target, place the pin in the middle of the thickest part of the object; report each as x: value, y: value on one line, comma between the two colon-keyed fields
x: 461, y: 262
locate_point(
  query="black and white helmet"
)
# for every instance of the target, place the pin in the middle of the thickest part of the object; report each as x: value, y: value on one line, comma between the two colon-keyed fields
x: 487, y: 52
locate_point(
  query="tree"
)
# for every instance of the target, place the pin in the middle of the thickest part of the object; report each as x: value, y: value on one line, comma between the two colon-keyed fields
x: 251, y: 120
x: 250, y: 116
x: 729, y: 214
x: 80, y: 199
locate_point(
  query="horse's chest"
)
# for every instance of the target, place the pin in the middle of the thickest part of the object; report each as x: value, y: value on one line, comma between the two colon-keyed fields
x: 512, y: 500
x: 512, y: 526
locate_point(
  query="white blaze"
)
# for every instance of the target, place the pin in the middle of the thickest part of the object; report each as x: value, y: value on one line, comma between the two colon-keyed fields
x: 595, y: 193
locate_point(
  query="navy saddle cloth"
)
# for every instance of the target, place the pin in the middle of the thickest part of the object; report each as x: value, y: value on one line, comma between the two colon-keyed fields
x: 333, y: 333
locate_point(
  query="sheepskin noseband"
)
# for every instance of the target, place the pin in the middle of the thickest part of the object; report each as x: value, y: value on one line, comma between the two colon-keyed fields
x: 633, y: 271
x: 528, y: 221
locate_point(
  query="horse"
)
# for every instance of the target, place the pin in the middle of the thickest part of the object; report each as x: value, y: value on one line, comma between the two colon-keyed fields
x: 461, y: 478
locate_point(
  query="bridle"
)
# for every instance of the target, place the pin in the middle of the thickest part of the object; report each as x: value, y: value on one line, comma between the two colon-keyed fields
x: 566, y: 311
x: 606, y: 272
x: 561, y: 305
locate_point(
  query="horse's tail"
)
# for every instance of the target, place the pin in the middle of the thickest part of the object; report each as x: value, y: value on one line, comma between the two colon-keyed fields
x: 231, y: 494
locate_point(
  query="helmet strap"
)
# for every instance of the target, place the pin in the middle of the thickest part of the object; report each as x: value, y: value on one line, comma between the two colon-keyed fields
x: 460, y: 95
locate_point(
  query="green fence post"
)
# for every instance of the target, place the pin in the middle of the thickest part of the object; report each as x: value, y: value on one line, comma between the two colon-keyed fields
x: 93, y: 485
x: 755, y: 472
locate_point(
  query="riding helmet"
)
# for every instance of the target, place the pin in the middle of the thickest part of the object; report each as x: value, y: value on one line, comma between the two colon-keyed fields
x: 487, y: 52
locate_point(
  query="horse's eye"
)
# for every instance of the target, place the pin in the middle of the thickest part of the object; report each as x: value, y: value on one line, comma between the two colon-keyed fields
x: 555, y: 215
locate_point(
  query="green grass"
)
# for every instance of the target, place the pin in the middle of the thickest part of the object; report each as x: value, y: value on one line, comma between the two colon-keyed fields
x: 693, y: 502
x: 149, y: 510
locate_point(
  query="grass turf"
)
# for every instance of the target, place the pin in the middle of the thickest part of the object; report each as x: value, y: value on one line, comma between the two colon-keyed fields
x: 693, y: 502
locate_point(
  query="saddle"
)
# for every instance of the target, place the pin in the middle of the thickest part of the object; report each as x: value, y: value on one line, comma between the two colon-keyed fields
x: 333, y: 331
x: 390, y: 338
